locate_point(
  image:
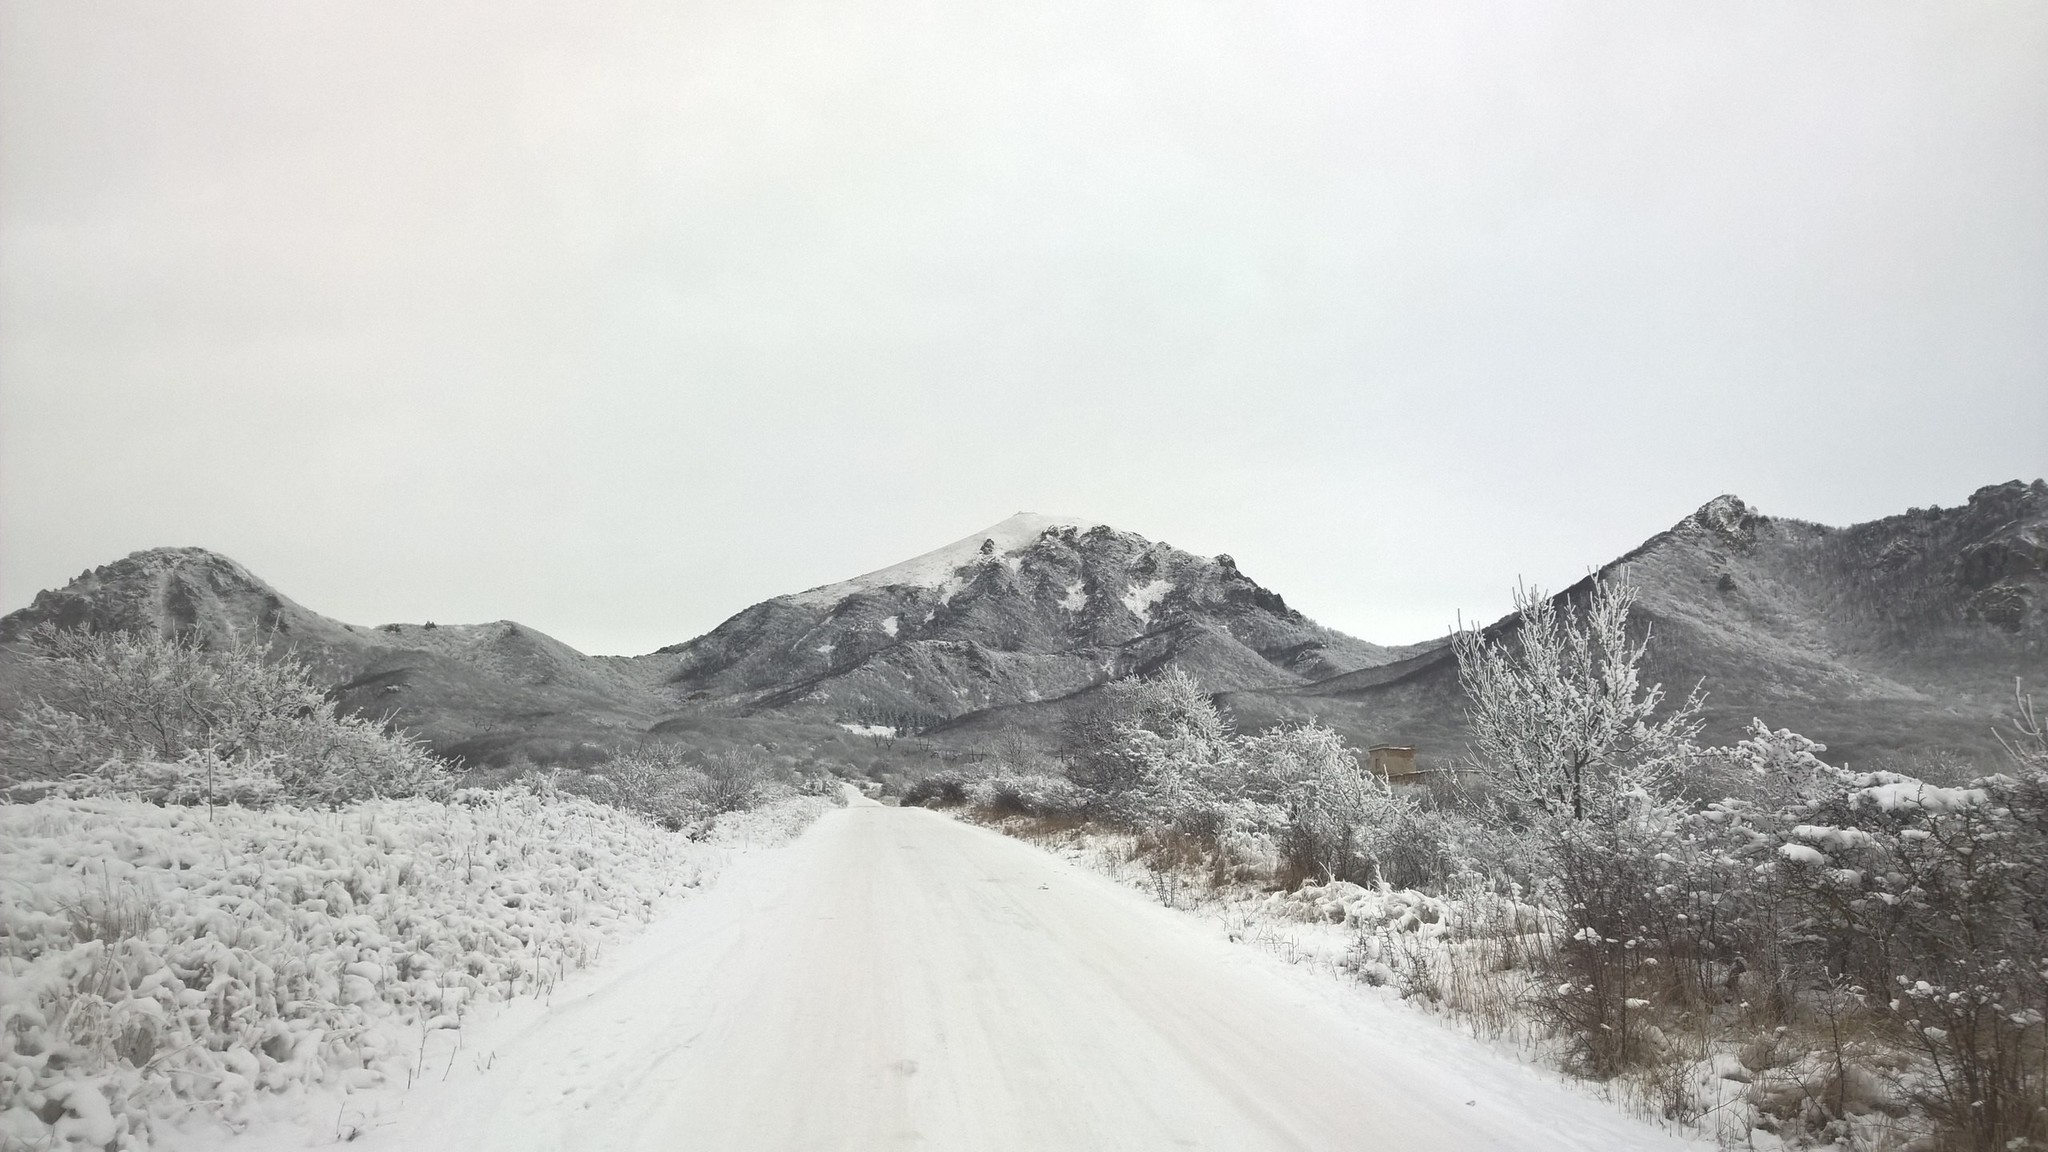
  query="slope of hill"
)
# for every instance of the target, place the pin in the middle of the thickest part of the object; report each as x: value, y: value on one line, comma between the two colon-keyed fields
x: 1897, y: 640
x: 475, y: 691
x: 1034, y: 608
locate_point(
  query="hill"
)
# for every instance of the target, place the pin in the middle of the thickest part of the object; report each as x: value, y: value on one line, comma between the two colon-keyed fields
x: 477, y: 691
x: 1895, y: 641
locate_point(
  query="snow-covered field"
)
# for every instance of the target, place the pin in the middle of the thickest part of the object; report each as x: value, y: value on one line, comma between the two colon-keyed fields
x: 169, y: 974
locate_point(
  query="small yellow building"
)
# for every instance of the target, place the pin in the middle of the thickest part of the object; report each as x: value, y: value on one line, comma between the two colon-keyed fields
x: 1396, y: 762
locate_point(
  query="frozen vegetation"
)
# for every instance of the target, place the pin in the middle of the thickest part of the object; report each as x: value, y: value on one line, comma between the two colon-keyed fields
x: 1746, y: 941
x: 159, y: 965
x: 217, y: 891
x: 223, y: 897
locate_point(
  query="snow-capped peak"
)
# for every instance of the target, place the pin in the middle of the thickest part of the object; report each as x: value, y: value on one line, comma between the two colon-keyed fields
x: 936, y: 569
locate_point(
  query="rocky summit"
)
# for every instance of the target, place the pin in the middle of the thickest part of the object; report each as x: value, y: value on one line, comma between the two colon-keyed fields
x: 1032, y: 609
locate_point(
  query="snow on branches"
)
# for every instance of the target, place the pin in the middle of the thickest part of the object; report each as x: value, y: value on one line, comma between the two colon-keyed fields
x: 1561, y: 721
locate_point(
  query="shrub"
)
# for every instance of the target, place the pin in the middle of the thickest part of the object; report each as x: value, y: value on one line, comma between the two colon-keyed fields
x: 1021, y: 795
x: 1333, y: 812
x: 731, y: 781
x: 1157, y: 756
x: 678, y: 787
x: 1157, y: 749
x: 174, y: 721
x: 946, y: 788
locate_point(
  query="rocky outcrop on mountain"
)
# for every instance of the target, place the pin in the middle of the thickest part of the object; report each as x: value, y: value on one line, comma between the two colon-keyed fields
x: 1893, y: 641
x: 1032, y: 609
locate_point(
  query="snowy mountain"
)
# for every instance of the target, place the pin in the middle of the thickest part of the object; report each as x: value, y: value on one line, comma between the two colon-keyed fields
x: 1031, y: 609
x: 1896, y: 640
x: 1034, y: 608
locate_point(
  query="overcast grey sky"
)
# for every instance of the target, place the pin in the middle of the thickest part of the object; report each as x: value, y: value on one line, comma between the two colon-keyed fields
x: 616, y: 317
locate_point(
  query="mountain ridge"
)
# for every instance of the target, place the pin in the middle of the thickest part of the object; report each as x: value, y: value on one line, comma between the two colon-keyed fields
x: 1895, y: 641
x: 1032, y: 608
x: 1895, y: 637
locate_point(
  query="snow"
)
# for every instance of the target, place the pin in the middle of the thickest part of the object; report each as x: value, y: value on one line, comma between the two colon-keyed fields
x: 1076, y: 597
x: 1833, y: 839
x: 1891, y: 792
x: 938, y: 570
x: 895, y: 978
x: 869, y: 729
x: 164, y: 973
x: 1141, y: 597
x: 1801, y: 854
x: 890, y: 625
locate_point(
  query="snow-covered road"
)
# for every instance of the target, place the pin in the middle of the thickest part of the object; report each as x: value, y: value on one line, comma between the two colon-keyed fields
x: 896, y: 979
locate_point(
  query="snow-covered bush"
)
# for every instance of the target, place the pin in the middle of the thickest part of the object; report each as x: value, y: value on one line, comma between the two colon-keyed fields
x: 1576, y: 756
x: 169, y: 719
x: 1159, y: 750
x: 1900, y: 926
x: 156, y: 962
x: 1605, y: 969
x: 1006, y: 794
x: 650, y: 780
x: 1339, y: 819
x: 1927, y: 907
x: 679, y: 787
x: 945, y: 788
x: 732, y: 781
x: 1289, y: 804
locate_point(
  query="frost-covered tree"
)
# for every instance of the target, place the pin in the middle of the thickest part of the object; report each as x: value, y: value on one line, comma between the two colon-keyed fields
x: 1158, y: 744
x: 678, y: 786
x: 2027, y: 744
x: 1329, y: 801
x: 1569, y: 737
x: 172, y: 718
x: 1561, y: 720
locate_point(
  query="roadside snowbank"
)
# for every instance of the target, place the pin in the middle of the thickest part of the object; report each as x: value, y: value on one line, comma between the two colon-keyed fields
x: 160, y: 967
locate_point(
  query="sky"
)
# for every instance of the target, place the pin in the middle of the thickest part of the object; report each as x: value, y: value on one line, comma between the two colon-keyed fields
x: 614, y: 318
